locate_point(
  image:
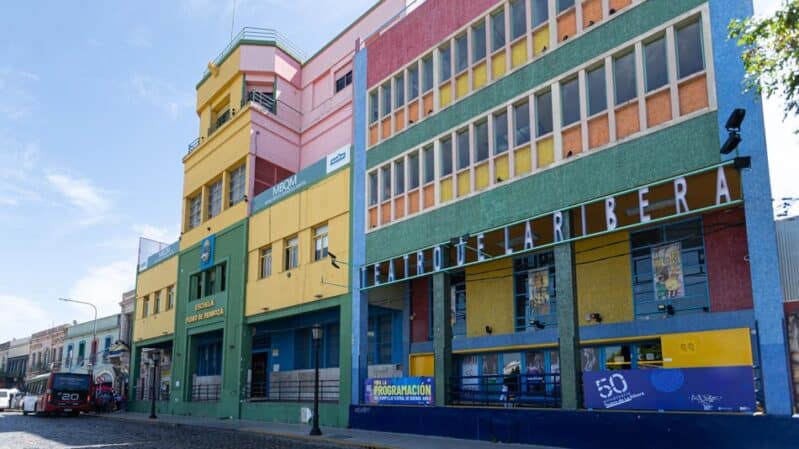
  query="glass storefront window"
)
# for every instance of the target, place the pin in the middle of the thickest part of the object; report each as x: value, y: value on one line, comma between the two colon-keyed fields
x: 617, y: 357
x: 650, y: 356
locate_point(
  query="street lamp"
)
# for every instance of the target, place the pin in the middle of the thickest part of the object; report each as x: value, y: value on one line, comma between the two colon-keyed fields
x: 92, y: 356
x: 155, y: 356
x: 316, y: 334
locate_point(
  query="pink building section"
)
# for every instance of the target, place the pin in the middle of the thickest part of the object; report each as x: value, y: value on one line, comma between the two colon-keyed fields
x: 422, y: 29
x: 311, y: 120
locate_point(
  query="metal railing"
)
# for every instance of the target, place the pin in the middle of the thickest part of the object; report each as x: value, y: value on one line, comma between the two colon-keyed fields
x: 514, y: 390
x: 144, y: 394
x: 292, y: 390
x: 259, y: 35
x: 221, y: 119
x: 206, y: 392
x: 267, y: 100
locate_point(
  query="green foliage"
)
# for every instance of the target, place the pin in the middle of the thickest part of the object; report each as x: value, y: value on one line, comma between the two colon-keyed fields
x: 771, y: 53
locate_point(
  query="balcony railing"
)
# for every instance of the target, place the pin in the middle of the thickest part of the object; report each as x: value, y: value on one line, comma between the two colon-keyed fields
x: 221, y: 119
x: 206, y: 392
x: 264, y: 35
x: 514, y: 390
x: 267, y: 100
x: 292, y: 390
x: 144, y: 394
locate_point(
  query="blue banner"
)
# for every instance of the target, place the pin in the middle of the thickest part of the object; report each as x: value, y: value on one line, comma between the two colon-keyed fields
x: 399, y: 391
x: 721, y: 389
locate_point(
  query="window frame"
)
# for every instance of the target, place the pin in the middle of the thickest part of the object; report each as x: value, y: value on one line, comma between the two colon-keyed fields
x: 265, y: 262
x: 291, y: 253
x: 321, y: 242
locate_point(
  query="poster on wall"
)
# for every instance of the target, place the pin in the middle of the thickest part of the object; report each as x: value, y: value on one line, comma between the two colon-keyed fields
x: 717, y: 389
x: 667, y: 271
x: 538, y: 281
x: 470, y: 372
x: 399, y: 391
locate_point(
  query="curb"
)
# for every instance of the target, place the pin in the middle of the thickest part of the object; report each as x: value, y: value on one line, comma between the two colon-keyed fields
x: 288, y: 436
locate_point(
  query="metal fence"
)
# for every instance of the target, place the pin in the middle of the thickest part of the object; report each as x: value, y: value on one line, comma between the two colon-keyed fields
x: 292, y: 390
x: 514, y: 390
x: 206, y: 392
x: 144, y: 394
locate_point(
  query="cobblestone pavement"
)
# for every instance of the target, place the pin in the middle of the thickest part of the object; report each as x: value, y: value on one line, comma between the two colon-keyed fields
x: 86, y: 432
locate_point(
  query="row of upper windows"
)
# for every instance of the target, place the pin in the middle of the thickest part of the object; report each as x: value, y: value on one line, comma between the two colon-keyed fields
x: 236, y: 192
x: 156, y: 302
x: 468, y: 51
x: 291, y: 252
x: 669, y: 62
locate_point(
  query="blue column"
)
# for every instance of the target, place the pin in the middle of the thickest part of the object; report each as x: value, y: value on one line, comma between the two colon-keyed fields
x: 360, y: 302
x: 761, y: 236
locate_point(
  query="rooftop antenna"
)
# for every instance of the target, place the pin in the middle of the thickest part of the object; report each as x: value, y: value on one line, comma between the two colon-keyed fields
x: 233, y: 20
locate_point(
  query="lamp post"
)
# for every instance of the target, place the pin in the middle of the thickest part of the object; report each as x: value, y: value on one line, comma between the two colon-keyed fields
x: 155, y: 356
x: 92, y: 356
x: 316, y: 333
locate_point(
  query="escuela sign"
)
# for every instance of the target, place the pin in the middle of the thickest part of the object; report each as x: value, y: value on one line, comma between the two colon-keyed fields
x: 695, y: 192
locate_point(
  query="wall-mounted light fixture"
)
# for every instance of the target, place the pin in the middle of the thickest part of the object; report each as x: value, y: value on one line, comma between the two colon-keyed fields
x: 733, y: 127
x: 489, y: 330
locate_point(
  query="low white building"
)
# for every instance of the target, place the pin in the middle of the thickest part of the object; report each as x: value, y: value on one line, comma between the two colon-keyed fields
x: 77, y: 356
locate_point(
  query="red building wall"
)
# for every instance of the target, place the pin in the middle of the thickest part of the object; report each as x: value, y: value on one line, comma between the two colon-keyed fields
x: 726, y: 254
x: 420, y: 310
x: 423, y: 28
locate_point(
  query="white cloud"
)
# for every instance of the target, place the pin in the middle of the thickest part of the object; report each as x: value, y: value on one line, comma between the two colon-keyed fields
x: 103, y: 285
x: 16, y: 100
x: 92, y: 203
x: 23, y: 316
x: 160, y: 94
x: 18, y: 164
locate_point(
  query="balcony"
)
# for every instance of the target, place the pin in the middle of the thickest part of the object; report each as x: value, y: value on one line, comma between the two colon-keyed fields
x: 221, y: 119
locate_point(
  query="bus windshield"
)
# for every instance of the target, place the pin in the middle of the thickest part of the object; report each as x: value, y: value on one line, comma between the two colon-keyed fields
x: 71, y: 382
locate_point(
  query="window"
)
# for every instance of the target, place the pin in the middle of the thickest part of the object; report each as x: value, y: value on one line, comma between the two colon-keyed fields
x: 196, y: 286
x: 373, y: 188
x: 501, y: 133
x: 543, y: 114
x: 380, y: 341
x: 413, y: 171
x: 170, y: 297
x: 209, y: 359
x: 413, y: 82
x: 210, y: 277
x: 399, y: 87
x: 540, y: 12
x: 521, y: 123
x: 597, y: 91
x: 237, y: 183
x: 463, y: 148
x: 534, y: 290
x: 344, y: 81
x: 156, y: 302
x: 446, y: 157
x: 195, y: 205
x: 81, y: 352
x: 429, y: 164
x: 446, y: 64
x: 563, y: 5
x: 498, y: 30
x: 570, y: 101
x: 624, y: 74
x: 518, y: 18
x: 461, y: 53
x: 292, y: 256
x: 331, y: 340
x: 374, y: 107
x: 478, y: 42
x: 427, y: 73
x: 399, y: 177
x: 145, y: 307
x: 689, y: 50
x: 215, y: 199
x: 303, y: 349
x: 481, y: 141
x: 655, y: 59
x: 386, y: 89
x: 320, y: 242
x: 107, y: 344
x: 385, y: 172
x: 265, y: 262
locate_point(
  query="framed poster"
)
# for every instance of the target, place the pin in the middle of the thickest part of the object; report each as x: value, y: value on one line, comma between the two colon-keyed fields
x: 667, y: 271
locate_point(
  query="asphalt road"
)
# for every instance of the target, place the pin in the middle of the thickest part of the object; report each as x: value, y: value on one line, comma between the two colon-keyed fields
x: 86, y: 432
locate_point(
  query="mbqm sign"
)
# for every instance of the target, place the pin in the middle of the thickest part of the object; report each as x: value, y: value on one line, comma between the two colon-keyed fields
x: 720, y: 389
x: 399, y: 391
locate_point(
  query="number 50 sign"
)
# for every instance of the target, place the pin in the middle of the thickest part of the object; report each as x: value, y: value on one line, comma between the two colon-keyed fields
x: 607, y: 386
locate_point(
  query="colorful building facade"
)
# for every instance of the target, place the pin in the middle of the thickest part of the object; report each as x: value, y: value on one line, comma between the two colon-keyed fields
x: 512, y: 207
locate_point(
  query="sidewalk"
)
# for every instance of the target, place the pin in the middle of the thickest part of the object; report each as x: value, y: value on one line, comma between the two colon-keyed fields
x: 330, y: 435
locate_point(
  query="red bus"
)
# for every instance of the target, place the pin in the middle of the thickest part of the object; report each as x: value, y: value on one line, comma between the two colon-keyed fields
x: 58, y: 393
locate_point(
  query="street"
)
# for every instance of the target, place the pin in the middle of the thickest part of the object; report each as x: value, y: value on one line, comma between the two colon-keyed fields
x: 32, y: 432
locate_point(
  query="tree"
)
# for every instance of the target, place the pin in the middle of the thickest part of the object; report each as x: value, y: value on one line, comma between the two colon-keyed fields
x: 771, y: 53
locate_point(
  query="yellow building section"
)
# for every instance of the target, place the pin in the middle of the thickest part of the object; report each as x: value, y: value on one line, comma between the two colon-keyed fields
x: 481, y: 176
x: 603, y: 278
x: 445, y: 187
x: 224, y: 81
x: 462, y: 85
x: 421, y: 365
x: 489, y: 298
x: 498, y: 65
x: 545, y: 150
x: 479, y: 75
x: 464, y: 183
x: 522, y: 162
x: 540, y: 40
x: 518, y: 53
x: 148, y: 282
x: 324, y: 203
x: 502, y: 168
x: 729, y: 347
x: 445, y: 95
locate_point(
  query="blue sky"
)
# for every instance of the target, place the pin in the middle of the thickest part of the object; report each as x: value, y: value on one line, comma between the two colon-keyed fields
x: 96, y: 110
